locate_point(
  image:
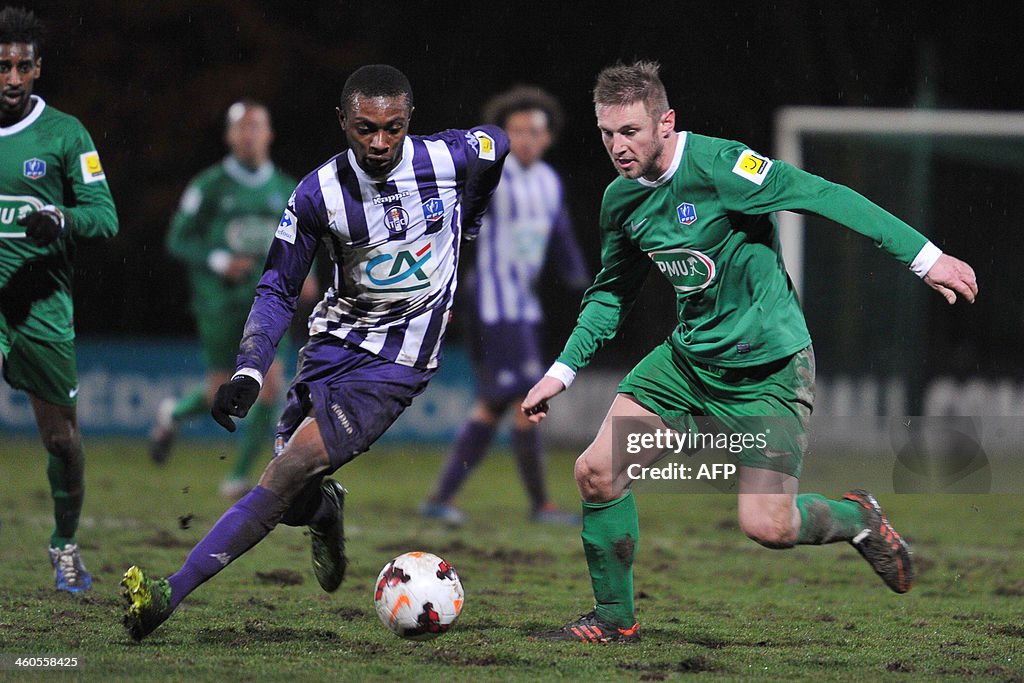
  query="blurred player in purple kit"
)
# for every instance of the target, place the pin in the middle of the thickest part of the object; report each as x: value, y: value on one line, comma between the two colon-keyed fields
x: 391, y: 212
x: 527, y: 222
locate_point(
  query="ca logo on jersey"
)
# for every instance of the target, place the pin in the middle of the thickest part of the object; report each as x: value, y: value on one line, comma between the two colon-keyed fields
x: 687, y: 269
x: 34, y: 168
x: 12, y: 210
x: 405, y: 273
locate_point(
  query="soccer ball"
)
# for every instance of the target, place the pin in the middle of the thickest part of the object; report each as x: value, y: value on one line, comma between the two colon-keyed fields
x: 418, y: 595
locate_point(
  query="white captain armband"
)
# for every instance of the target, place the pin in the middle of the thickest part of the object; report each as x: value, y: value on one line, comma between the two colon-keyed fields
x: 925, y: 259
x: 562, y: 372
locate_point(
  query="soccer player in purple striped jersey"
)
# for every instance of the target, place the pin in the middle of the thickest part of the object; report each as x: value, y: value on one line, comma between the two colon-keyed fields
x: 528, y: 223
x: 391, y: 212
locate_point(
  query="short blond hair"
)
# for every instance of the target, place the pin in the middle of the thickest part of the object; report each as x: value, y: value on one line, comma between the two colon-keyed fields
x: 625, y: 84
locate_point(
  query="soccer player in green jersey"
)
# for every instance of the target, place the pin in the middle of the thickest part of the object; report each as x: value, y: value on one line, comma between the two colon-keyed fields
x: 700, y: 209
x: 53, y: 194
x: 222, y: 230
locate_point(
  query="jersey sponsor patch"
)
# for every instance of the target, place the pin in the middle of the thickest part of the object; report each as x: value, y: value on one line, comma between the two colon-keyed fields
x: 687, y: 269
x: 752, y: 166
x: 92, y: 169
x: 406, y: 270
x: 286, y: 228
x: 12, y: 210
x: 486, y: 151
x: 34, y: 168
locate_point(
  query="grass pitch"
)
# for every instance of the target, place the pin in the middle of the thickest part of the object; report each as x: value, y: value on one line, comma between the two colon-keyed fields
x: 711, y: 603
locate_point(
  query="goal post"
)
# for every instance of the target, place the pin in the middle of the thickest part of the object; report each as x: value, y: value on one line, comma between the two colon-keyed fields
x: 792, y: 124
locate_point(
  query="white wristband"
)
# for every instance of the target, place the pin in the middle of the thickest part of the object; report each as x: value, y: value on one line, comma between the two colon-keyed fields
x: 562, y: 372
x: 925, y: 259
x: 219, y: 261
x: 250, y: 372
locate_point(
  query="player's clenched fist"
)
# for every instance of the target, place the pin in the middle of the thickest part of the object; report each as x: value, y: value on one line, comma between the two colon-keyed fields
x: 234, y: 398
x: 44, y: 226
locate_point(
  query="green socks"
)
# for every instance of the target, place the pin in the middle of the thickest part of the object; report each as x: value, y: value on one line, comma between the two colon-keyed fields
x: 610, y: 535
x: 67, y: 489
x: 826, y: 521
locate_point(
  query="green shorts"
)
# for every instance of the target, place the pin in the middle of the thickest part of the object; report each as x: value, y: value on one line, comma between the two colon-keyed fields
x: 771, y: 403
x: 45, y: 369
x: 219, y: 336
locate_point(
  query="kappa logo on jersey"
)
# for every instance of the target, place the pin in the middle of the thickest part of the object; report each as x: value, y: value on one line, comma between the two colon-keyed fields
x: 433, y: 209
x: 403, y: 266
x: 34, y: 168
x: 687, y: 269
x: 385, y: 198
x: 12, y: 210
x: 92, y: 169
x: 286, y: 228
x: 396, y: 218
x: 751, y: 166
x: 486, y: 147
x: 687, y: 213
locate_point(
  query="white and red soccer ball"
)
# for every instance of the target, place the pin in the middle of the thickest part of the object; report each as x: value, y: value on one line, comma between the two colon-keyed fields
x: 418, y: 595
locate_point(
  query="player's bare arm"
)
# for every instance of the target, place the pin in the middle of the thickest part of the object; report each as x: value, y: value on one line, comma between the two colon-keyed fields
x: 950, y: 276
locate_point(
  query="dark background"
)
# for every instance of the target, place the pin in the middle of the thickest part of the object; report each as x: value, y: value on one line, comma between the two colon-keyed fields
x: 151, y: 82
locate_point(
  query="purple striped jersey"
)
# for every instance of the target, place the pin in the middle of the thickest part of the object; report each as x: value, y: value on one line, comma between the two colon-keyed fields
x: 527, y: 219
x: 394, y: 244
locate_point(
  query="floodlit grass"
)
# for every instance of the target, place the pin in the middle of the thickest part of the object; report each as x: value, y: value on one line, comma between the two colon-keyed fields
x: 710, y: 601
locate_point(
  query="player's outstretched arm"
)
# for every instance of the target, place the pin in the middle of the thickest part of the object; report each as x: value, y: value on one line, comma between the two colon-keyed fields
x: 535, y: 405
x: 949, y: 276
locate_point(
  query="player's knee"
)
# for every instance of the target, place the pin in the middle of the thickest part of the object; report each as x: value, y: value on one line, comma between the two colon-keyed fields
x: 595, y: 483
x: 63, y: 445
x: 770, y: 531
x: 292, y: 471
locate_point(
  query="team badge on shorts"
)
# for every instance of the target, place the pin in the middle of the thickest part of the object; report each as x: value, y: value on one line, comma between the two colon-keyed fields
x: 34, y: 168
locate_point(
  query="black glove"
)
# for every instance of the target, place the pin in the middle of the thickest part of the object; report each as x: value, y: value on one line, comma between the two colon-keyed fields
x: 234, y: 398
x: 43, y: 226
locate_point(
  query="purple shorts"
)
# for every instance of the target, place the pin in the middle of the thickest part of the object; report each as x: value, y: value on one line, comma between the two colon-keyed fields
x: 354, y: 396
x: 506, y: 358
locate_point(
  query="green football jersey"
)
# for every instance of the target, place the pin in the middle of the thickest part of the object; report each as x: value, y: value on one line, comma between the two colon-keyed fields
x: 707, y: 225
x: 227, y: 210
x: 47, y: 158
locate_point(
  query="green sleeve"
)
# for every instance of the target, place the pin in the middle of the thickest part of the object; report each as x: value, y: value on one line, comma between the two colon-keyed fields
x: 786, y: 187
x: 187, y: 238
x: 90, y: 213
x: 607, y: 302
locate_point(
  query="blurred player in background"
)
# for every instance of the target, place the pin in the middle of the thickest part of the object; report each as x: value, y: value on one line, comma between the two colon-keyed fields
x: 391, y: 211
x: 222, y: 231
x: 701, y: 208
x: 53, y: 194
x: 528, y: 220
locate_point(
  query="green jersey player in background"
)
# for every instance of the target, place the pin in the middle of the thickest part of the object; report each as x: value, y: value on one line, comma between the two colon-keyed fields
x: 222, y: 230
x: 700, y: 209
x: 53, y: 194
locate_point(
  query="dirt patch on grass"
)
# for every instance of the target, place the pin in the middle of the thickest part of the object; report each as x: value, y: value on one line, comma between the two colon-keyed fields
x: 280, y: 577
